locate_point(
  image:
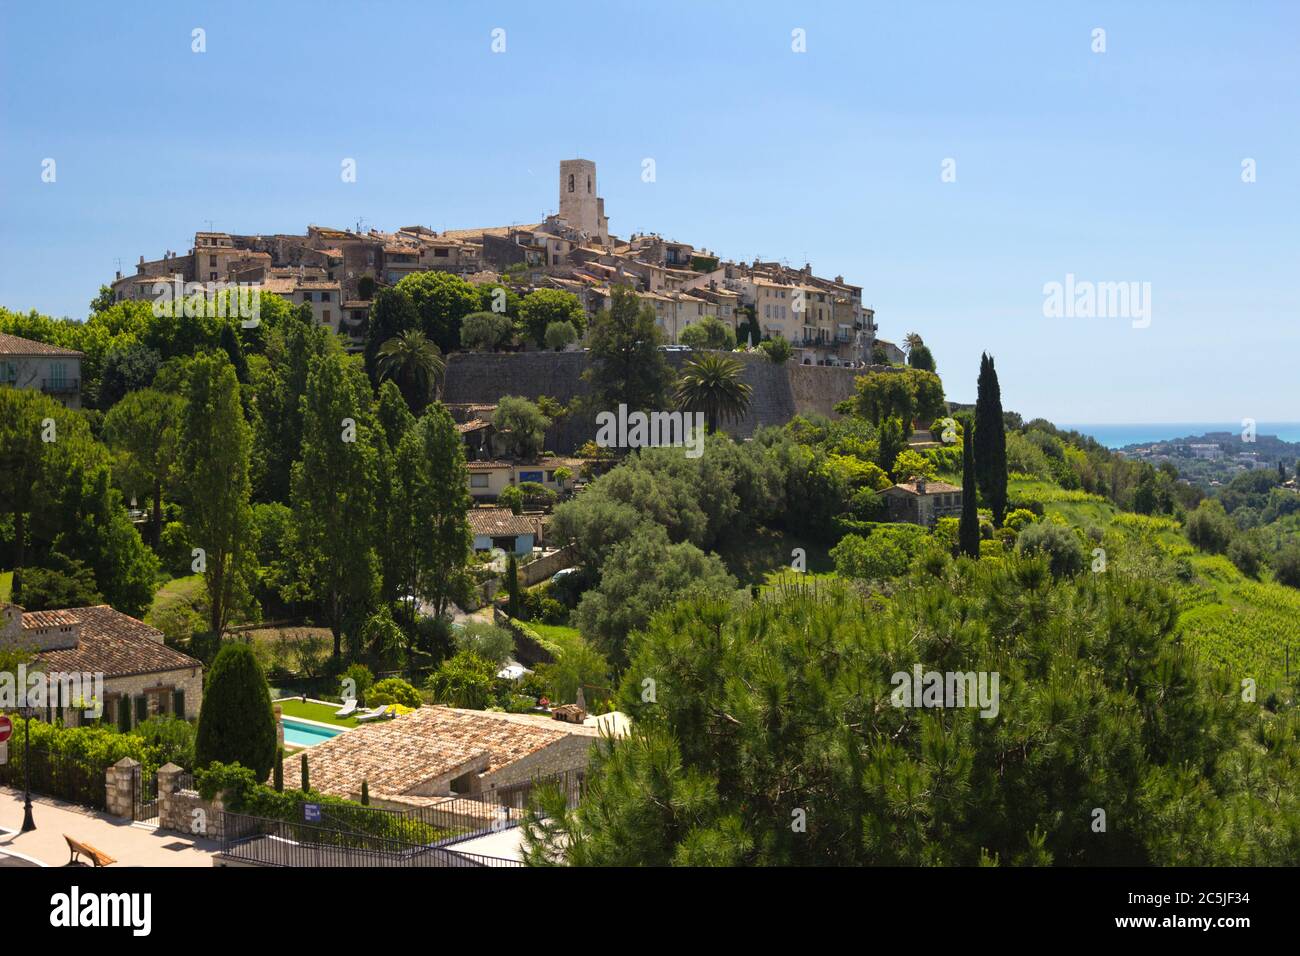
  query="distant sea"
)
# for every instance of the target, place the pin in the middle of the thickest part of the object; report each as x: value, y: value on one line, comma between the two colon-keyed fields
x: 1117, y: 436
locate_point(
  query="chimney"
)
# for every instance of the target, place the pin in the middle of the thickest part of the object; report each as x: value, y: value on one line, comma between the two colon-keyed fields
x: 920, y: 486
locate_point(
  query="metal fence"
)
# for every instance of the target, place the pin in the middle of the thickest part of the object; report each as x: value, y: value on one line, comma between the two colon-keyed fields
x: 65, y: 776
x: 259, y: 841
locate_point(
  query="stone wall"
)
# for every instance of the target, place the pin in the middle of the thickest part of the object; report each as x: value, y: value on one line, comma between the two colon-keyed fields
x: 543, y: 568
x: 184, y: 811
x: 189, y: 679
x: 780, y: 391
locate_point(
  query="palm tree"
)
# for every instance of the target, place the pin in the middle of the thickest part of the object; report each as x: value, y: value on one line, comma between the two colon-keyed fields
x: 711, y: 384
x: 912, y: 341
x: 415, y: 363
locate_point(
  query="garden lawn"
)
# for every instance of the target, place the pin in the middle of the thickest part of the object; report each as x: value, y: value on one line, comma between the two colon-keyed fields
x: 6, y: 586
x: 321, y: 713
x: 762, y: 555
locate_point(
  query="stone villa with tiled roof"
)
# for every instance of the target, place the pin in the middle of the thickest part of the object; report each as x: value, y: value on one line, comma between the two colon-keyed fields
x: 53, y: 370
x: 437, y: 752
x: 142, y: 676
x: 923, y: 502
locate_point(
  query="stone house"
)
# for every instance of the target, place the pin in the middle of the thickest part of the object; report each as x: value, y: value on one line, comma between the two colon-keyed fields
x: 141, y: 676
x: 923, y: 502
x: 53, y: 370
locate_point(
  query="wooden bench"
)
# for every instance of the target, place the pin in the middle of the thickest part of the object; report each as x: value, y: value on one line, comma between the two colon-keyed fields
x: 99, y: 857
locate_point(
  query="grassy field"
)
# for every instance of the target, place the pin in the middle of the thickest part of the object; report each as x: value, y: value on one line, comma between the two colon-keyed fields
x: 178, y: 591
x: 763, y: 555
x: 321, y: 713
x: 6, y: 585
x: 560, y: 634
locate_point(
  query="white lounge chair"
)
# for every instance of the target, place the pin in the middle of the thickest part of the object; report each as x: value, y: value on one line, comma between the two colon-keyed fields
x: 348, y: 709
x: 374, y: 714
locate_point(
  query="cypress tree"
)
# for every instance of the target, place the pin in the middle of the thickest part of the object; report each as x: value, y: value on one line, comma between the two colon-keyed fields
x: 968, y: 529
x: 365, y: 793
x: 990, y: 441
x: 278, y: 776
x: 306, y: 778
x: 512, y: 586
x: 236, y: 722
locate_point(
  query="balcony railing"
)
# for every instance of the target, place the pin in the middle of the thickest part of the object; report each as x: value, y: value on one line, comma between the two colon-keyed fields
x: 60, y: 385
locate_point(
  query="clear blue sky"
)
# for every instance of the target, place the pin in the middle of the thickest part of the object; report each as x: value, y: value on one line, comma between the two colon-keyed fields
x: 1115, y: 167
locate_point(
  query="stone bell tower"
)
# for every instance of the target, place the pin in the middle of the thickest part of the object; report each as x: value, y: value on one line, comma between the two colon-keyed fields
x: 579, y: 204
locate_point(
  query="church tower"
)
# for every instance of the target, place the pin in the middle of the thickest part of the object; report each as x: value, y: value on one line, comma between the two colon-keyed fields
x: 579, y: 204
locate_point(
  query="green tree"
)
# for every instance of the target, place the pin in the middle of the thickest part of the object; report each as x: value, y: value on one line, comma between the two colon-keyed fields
x: 236, y: 722
x: 627, y: 367
x: 968, y: 531
x: 990, y: 441
x: 708, y: 333
x: 333, y: 488
x: 711, y: 385
x: 463, y: 680
x: 486, y: 331
x: 640, y: 576
x: 542, y: 307
x: 777, y: 350
x: 520, y: 425
x: 415, y: 364
x: 431, y: 527
x: 559, y: 335
x: 144, y: 428
x: 893, y: 442
x: 1057, y: 542
x: 215, y: 441
x: 512, y: 585
x: 442, y: 300
x: 392, y: 313
x: 921, y: 358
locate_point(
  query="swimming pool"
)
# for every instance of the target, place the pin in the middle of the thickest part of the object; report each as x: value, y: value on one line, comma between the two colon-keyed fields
x: 298, y: 733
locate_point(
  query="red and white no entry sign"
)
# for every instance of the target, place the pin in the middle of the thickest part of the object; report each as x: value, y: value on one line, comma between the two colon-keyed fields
x: 6, y: 728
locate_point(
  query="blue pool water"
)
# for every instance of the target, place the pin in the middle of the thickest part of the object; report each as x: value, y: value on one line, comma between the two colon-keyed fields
x: 305, y: 735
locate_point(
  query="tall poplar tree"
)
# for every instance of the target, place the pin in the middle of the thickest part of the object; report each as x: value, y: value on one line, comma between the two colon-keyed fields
x: 990, y: 441
x: 333, y: 493
x: 214, y: 450
x: 430, y: 506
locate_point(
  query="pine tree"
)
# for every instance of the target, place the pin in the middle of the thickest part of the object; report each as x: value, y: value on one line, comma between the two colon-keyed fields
x: 968, y: 529
x: 990, y: 441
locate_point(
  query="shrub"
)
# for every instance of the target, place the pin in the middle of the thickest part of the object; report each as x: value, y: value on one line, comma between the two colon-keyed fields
x: 560, y: 334
x: 463, y: 680
x: 1246, y: 554
x: 358, y: 679
x: 1286, y: 566
x: 870, y: 559
x: 493, y: 644
x: 393, y: 690
x: 172, y: 739
x: 1018, y: 519
x: 1057, y: 542
x: 777, y: 350
x: 236, y: 723
x: 511, y: 497
x: 1209, y: 528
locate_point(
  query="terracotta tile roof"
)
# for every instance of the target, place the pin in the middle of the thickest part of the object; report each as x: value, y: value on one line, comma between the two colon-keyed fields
x: 114, y: 644
x: 34, y: 620
x: 499, y: 521
x: 931, y: 487
x: 473, y: 425
x: 401, y: 755
x: 487, y: 465
x: 15, y: 345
